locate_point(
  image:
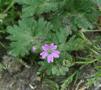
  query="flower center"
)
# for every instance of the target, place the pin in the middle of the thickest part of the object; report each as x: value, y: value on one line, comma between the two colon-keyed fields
x: 49, y: 51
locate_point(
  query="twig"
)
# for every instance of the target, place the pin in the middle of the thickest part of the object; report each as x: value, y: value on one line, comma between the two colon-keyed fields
x: 78, y: 85
x: 23, y: 63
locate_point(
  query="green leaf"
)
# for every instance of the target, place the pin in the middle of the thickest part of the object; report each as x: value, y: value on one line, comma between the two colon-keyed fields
x: 75, y: 44
x: 52, y: 85
x: 28, y: 32
x: 67, y: 82
x: 21, y: 37
x: 42, y: 28
x: 33, y: 7
x: 83, y: 22
x: 59, y: 67
x: 62, y: 34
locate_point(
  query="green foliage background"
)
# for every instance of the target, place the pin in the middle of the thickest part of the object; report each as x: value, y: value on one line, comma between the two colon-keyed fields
x: 66, y: 23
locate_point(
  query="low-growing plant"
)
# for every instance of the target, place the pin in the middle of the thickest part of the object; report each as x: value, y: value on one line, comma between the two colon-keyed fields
x: 57, y: 31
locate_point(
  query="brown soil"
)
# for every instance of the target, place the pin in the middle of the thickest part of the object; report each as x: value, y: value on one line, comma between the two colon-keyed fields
x: 19, y: 77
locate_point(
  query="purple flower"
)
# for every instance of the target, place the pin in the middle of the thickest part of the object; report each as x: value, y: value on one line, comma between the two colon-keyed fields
x: 49, y: 52
x: 33, y: 49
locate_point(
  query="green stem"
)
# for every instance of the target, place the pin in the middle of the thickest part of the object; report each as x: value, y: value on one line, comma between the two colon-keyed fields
x: 91, y: 30
x: 89, y: 42
x: 95, y: 52
x: 2, y: 45
x: 84, y: 37
x: 11, y: 4
x: 1, y: 31
x: 86, y: 62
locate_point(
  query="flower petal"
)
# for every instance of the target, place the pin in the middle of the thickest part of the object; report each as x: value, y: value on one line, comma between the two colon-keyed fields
x: 56, y: 53
x: 50, y: 58
x: 44, y: 54
x: 52, y: 46
x: 45, y: 47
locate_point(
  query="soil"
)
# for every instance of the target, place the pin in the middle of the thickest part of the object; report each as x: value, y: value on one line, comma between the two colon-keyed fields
x: 20, y: 77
